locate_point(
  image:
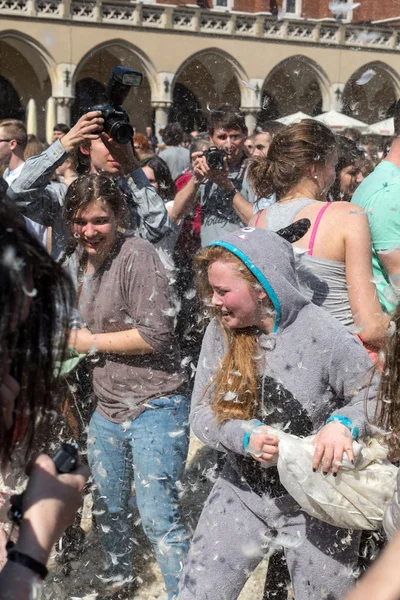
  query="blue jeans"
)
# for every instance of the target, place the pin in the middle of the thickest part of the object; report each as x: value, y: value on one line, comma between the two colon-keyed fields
x: 152, y: 448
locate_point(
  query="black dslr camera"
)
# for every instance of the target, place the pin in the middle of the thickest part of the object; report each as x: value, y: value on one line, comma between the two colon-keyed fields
x: 215, y: 158
x: 65, y: 460
x: 116, y: 120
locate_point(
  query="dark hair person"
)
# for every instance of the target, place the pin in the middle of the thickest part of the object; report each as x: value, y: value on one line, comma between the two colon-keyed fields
x: 334, y: 257
x: 36, y: 301
x: 269, y: 358
x: 159, y: 175
x: 139, y: 431
x: 348, y: 171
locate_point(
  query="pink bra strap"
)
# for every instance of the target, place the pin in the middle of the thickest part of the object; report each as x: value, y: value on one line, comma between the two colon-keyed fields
x: 260, y: 212
x: 315, y: 228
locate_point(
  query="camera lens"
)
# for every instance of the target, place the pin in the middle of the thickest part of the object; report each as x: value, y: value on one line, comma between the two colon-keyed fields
x: 120, y: 131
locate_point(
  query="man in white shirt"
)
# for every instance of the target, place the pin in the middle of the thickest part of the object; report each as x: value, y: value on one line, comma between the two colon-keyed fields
x: 13, y: 140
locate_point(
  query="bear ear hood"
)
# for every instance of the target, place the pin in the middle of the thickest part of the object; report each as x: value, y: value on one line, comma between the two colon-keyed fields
x: 271, y: 260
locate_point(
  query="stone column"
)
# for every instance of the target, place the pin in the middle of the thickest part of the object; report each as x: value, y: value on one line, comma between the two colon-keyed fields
x: 336, y: 97
x: 161, y: 118
x: 50, y: 119
x: 64, y: 110
x: 250, y: 116
x: 31, y: 117
x: 63, y: 91
x: 251, y: 93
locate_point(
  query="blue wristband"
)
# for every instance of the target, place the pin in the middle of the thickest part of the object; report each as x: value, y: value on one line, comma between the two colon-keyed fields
x: 246, y: 437
x: 346, y: 422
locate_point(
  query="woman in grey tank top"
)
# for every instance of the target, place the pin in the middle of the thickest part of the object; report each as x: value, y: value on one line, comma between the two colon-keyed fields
x: 333, y: 259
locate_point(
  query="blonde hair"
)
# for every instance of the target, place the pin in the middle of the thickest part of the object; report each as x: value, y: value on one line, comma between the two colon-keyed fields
x: 236, y: 384
x: 16, y: 130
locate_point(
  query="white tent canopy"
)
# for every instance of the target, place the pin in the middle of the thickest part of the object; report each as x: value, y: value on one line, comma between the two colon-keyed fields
x: 385, y: 127
x: 338, y: 121
x: 294, y: 118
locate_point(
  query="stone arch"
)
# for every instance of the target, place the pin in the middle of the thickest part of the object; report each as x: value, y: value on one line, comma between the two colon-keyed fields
x: 295, y: 84
x: 21, y: 54
x: 96, y: 65
x: 10, y: 104
x: 203, y: 81
x: 373, y: 100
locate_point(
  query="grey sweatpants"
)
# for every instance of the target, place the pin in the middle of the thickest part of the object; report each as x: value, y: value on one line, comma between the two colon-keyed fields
x: 230, y: 541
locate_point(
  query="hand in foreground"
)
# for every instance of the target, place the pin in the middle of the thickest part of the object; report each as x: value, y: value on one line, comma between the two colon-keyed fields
x: 50, y: 503
x: 263, y: 446
x: 82, y: 340
x: 330, y: 443
x: 88, y: 127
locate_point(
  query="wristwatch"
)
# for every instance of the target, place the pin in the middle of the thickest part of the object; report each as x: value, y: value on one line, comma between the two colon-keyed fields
x: 232, y: 193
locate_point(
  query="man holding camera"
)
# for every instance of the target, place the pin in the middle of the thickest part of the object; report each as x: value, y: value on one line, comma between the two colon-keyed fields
x: 92, y: 141
x: 218, y: 178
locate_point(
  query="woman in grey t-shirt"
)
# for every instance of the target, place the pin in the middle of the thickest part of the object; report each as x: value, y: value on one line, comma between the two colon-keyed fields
x: 139, y: 431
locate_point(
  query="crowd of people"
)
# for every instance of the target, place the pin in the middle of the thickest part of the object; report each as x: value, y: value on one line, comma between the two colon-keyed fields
x: 271, y: 264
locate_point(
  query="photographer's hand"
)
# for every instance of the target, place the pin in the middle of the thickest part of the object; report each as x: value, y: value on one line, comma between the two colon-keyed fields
x: 122, y: 153
x: 200, y: 167
x: 49, y: 506
x: 221, y: 177
x: 88, y: 127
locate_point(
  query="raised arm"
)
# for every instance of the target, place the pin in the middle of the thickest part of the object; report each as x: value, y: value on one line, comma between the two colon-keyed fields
x: 38, y: 170
x: 370, y: 320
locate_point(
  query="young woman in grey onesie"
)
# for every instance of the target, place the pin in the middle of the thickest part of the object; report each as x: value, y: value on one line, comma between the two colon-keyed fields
x: 270, y: 357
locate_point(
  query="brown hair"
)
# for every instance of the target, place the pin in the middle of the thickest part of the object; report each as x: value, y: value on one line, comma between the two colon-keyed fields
x: 16, y: 130
x: 388, y: 399
x: 291, y: 153
x: 235, y: 385
x: 143, y: 142
x: 226, y: 116
x: 85, y: 190
x: 34, y: 147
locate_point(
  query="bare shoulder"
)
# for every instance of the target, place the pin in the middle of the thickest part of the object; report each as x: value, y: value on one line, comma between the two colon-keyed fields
x: 349, y: 215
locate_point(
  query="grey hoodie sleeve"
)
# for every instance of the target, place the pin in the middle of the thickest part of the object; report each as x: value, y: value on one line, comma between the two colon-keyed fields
x: 230, y: 434
x: 350, y: 373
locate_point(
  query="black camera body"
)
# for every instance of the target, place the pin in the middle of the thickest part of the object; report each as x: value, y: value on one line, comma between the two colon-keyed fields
x: 215, y: 158
x: 116, y: 119
x: 65, y: 460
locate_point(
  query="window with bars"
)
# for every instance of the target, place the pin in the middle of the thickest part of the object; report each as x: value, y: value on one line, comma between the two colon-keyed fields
x: 223, y: 4
x: 293, y: 7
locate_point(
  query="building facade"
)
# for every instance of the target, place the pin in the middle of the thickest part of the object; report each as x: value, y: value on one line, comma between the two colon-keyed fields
x: 273, y: 57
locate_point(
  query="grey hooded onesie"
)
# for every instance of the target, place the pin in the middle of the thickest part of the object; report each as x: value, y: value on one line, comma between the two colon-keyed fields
x: 313, y: 368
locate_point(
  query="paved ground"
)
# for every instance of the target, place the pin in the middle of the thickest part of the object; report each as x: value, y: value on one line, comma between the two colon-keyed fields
x: 77, y: 584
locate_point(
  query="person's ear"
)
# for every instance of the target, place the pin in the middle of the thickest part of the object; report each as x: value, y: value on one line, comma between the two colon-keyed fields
x: 13, y: 145
x: 84, y: 150
x: 313, y: 170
